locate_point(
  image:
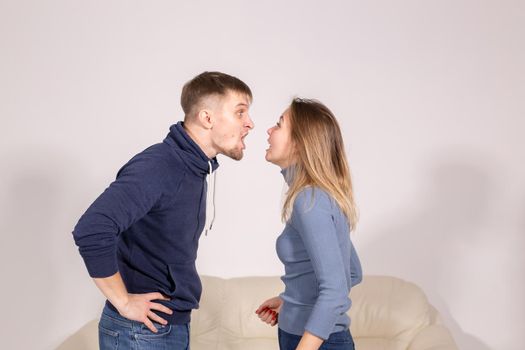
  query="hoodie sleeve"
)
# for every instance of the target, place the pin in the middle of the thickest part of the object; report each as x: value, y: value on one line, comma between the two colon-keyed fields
x: 314, y: 222
x: 135, y: 191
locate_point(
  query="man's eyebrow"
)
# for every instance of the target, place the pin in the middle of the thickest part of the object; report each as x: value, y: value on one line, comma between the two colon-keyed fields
x: 241, y: 104
x: 281, y: 118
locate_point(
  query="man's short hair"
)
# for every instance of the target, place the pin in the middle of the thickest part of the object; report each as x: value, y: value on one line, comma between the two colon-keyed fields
x: 207, y: 84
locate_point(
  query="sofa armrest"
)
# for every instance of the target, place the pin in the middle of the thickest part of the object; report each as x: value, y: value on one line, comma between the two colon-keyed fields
x: 85, y: 338
x: 433, y: 337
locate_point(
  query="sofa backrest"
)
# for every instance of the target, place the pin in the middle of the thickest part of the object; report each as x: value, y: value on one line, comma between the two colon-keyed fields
x: 386, y: 312
x: 227, y: 313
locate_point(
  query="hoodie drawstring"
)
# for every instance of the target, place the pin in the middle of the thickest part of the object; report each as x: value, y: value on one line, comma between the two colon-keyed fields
x: 210, y: 199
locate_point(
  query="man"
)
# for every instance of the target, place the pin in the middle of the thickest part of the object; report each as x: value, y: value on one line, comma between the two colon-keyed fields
x: 139, y: 239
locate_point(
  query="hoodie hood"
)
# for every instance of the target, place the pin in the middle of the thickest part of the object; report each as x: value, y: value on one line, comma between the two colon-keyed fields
x: 192, y: 155
x: 198, y: 163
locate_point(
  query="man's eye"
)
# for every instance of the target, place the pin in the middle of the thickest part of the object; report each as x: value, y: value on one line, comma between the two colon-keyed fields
x: 278, y: 124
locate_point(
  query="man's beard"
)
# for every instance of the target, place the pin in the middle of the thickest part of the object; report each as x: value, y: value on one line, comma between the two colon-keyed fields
x: 234, y: 153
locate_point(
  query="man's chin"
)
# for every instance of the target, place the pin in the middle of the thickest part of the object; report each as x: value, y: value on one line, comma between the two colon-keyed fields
x: 235, y: 154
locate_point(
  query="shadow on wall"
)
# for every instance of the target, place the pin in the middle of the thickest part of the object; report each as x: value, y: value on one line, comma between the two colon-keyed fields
x: 520, y: 263
x: 30, y: 209
x: 36, y: 254
x: 453, y: 207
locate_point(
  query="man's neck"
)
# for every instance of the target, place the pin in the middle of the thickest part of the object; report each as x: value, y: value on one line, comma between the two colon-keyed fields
x: 201, y: 137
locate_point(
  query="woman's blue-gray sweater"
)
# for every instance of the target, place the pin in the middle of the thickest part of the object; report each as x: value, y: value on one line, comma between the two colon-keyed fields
x: 321, y: 265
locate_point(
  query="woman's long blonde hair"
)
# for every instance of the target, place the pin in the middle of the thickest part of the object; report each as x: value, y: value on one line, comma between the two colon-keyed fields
x: 319, y: 157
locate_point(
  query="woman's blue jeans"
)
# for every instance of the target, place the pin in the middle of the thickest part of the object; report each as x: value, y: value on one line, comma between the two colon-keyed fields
x: 118, y: 333
x: 337, y: 341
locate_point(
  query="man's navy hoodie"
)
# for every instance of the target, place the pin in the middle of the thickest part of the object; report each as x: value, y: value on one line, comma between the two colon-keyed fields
x: 147, y: 223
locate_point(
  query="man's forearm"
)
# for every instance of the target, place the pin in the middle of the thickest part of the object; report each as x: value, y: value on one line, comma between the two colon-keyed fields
x: 135, y: 307
x: 114, y: 289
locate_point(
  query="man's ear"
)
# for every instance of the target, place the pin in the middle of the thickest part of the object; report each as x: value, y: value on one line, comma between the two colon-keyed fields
x: 205, y: 118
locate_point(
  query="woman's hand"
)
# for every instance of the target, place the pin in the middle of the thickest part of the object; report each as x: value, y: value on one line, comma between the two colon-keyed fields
x: 269, y: 310
x: 309, y: 342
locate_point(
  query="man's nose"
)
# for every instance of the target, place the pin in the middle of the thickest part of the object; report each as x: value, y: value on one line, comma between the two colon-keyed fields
x: 250, y: 123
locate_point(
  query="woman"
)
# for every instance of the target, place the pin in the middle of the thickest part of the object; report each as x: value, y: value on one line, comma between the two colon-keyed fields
x: 320, y: 262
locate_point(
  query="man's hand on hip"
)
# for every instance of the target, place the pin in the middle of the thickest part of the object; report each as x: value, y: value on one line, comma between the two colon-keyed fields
x: 135, y: 307
x: 139, y: 307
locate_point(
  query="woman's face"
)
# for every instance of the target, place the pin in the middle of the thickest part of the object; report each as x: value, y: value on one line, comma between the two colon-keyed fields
x: 281, y: 147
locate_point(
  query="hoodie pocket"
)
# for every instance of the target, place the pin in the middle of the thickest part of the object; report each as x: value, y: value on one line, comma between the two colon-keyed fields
x: 186, y: 288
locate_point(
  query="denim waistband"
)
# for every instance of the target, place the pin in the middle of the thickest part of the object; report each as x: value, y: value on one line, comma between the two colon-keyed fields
x: 178, y: 317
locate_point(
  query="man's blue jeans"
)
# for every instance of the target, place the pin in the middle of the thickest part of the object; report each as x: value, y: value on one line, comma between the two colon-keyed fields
x: 116, y: 332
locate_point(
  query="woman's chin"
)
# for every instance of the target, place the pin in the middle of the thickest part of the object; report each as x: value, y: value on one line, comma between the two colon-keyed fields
x: 268, y: 157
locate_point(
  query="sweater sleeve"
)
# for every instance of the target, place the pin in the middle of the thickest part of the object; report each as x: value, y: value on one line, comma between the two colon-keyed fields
x: 134, y: 192
x: 315, y: 224
x: 356, y: 273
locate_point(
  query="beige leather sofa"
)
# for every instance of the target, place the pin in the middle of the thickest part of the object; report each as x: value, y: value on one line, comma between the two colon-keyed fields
x: 387, y: 313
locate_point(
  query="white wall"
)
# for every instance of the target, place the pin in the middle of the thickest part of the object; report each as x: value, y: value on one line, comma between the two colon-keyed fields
x: 430, y: 96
